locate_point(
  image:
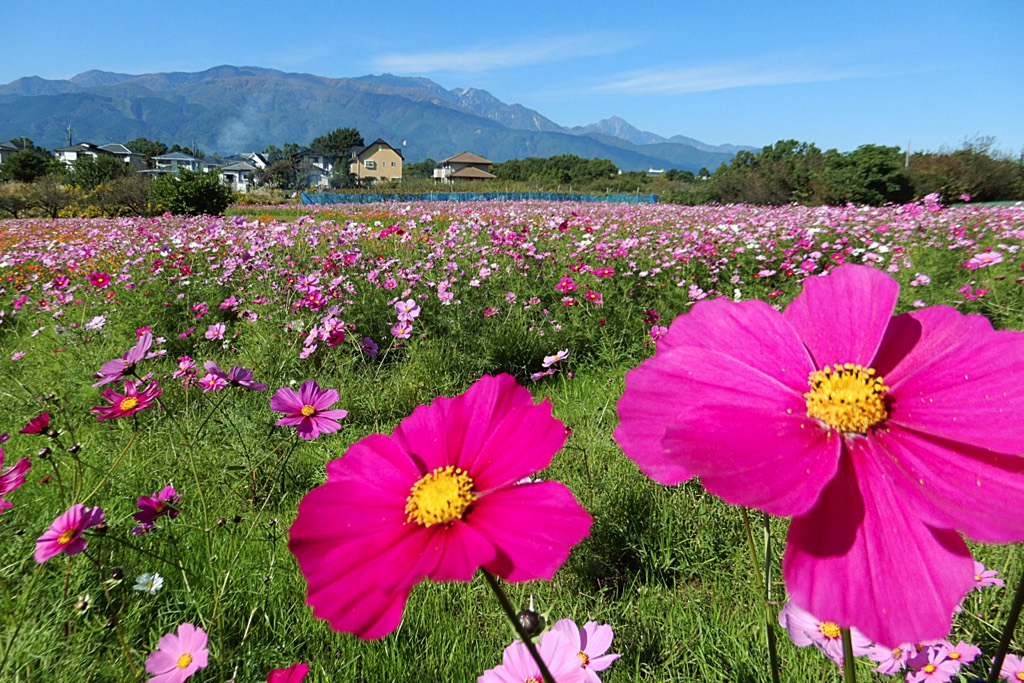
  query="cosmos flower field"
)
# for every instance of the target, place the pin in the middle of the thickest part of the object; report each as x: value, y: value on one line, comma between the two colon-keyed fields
x: 178, y: 391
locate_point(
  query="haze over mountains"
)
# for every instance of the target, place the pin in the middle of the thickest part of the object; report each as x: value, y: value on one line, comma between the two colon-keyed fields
x: 233, y: 109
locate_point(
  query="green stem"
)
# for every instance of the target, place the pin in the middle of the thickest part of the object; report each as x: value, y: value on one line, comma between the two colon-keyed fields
x: 849, y: 663
x: 113, y: 467
x: 1011, y: 625
x: 763, y: 588
x: 510, y: 611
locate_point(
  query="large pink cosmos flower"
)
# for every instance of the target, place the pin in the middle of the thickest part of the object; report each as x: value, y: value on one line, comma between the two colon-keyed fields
x: 590, y: 643
x: 179, y: 656
x: 65, y: 534
x: 293, y: 674
x: 11, y: 478
x: 518, y: 666
x: 881, y: 436
x: 307, y: 409
x: 119, y: 368
x: 437, y: 499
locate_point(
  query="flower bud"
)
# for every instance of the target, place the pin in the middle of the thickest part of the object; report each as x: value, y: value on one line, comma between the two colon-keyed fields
x: 44, y: 453
x: 531, y: 622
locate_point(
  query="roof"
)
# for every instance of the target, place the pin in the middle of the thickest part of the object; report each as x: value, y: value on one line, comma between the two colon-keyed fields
x: 465, y: 158
x: 240, y: 166
x: 83, y: 147
x: 177, y: 156
x: 9, y: 147
x: 471, y: 172
x: 357, y: 151
x: 116, y: 148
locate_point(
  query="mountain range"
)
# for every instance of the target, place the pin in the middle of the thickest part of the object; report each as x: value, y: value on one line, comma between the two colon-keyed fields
x: 232, y: 109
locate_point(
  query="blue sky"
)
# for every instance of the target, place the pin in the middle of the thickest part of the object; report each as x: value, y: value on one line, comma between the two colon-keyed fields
x: 837, y: 74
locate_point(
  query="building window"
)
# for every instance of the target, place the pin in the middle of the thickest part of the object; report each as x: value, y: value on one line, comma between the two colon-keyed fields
x: 370, y: 163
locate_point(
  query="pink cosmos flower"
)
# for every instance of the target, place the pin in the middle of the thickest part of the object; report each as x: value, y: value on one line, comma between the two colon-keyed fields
x: 436, y: 500
x: 65, y: 534
x: 186, y: 366
x: 179, y: 656
x: 882, y: 437
x: 805, y: 629
x: 518, y: 666
x: 293, y: 674
x: 369, y: 347
x: 1012, y: 669
x: 237, y: 376
x: 657, y: 332
x: 37, y: 425
x: 932, y: 665
x: 211, y: 382
x: 215, y: 332
x: 401, y: 330
x: 591, y: 642
x: 891, y: 660
x: 153, y: 507
x: 130, y: 402
x: 559, y: 356
x: 307, y: 410
x: 11, y: 478
x: 985, y: 577
x: 99, y: 279
x: 407, y: 310
x: 119, y: 368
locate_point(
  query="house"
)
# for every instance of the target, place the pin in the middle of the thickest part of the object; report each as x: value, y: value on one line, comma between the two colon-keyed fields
x: 464, y: 166
x: 254, y: 159
x: 133, y: 159
x: 171, y: 163
x: 313, y: 168
x: 69, y: 155
x: 377, y: 161
x: 239, y: 176
x: 6, y: 150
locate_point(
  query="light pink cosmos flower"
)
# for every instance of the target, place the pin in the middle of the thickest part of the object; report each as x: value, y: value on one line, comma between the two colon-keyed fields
x: 806, y: 629
x: 891, y: 660
x: 293, y: 674
x: 591, y: 642
x: 215, y: 331
x: 884, y: 438
x: 211, y: 382
x: 985, y: 577
x: 407, y: 310
x: 401, y: 330
x: 436, y: 500
x: 307, y: 409
x: 11, y: 478
x: 127, y: 404
x: 237, y: 376
x: 559, y: 356
x: 65, y: 534
x: 1012, y: 669
x: 518, y: 666
x: 179, y: 656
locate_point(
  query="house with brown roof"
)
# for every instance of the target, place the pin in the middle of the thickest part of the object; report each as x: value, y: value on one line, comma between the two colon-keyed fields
x: 377, y: 161
x: 464, y: 166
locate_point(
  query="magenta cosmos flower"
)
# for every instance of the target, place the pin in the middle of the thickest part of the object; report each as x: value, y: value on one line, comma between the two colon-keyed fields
x: 237, y: 376
x: 293, y: 674
x: 881, y: 436
x: 307, y: 410
x: 37, y: 425
x: 153, y: 507
x: 130, y: 402
x: 65, y: 534
x: 518, y: 666
x: 11, y: 478
x: 437, y: 499
x: 178, y: 656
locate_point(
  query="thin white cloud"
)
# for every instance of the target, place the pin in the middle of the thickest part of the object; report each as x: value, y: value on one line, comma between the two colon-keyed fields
x: 709, y: 77
x: 477, y: 59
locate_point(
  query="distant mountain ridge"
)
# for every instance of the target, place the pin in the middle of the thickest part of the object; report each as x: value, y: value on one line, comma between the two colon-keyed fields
x: 230, y: 109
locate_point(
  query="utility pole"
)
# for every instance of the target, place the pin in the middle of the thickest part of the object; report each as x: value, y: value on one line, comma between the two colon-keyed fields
x: 906, y: 159
x: 70, y: 129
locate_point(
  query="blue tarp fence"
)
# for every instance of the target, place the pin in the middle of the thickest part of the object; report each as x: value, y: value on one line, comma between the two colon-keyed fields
x: 337, y: 198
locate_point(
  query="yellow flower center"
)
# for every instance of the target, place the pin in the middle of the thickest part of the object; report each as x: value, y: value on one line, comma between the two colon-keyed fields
x: 128, y: 403
x: 1020, y: 676
x: 897, y: 653
x: 308, y: 410
x: 440, y: 497
x: 184, y: 661
x: 977, y: 577
x: 66, y: 537
x: 830, y: 629
x: 583, y: 656
x: 954, y: 655
x: 532, y: 679
x: 848, y: 398
x: 928, y: 668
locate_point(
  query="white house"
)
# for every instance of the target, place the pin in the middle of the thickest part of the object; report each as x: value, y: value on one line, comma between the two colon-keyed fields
x: 239, y: 175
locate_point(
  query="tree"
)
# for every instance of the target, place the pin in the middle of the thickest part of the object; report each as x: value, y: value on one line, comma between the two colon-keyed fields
x: 273, y: 153
x: 126, y: 195
x: 193, y: 151
x: 191, y: 193
x: 871, y: 174
x: 420, y: 169
x: 52, y: 196
x: 338, y: 143
x: 15, y: 197
x: 88, y: 172
x: 24, y: 167
x: 146, y: 147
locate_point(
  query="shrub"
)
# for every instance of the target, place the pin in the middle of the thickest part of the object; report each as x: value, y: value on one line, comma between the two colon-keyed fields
x: 191, y: 193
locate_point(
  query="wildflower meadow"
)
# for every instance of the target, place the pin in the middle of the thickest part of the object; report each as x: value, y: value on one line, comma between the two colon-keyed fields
x: 514, y: 442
